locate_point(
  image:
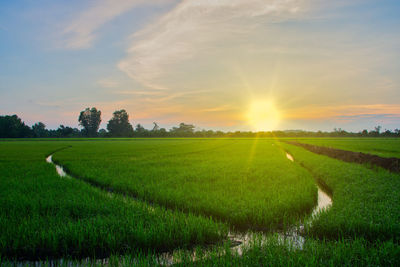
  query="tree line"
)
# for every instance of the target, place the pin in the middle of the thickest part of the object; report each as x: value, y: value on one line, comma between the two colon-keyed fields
x: 11, y: 126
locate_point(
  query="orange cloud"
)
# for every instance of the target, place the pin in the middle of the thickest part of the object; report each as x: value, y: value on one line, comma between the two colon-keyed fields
x: 322, y: 112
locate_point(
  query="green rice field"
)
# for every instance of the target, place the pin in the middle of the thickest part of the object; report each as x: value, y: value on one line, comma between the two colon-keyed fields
x: 187, y: 201
x: 383, y: 147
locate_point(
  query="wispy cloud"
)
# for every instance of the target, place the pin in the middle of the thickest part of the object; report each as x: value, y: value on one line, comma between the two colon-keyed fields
x: 83, y: 30
x: 342, y: 111
x: 219, y: 108
x: 194, y: 27
x: 132, y: 92
x: 204, y: 60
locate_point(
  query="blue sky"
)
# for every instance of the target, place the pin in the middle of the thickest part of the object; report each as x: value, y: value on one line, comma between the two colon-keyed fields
x: 323, y: 64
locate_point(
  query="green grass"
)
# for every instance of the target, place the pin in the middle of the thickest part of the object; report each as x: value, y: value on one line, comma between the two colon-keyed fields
x: 384, y: 147
x: 248, y: 183
x: 358, y: 252
x: 43, y: 215
x: 245, y: 182
x: 366, y: 202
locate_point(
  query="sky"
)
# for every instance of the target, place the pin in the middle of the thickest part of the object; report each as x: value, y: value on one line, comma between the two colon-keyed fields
x: 217, y: 64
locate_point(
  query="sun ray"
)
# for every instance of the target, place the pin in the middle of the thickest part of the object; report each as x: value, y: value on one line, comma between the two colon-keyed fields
x: 263, y: 115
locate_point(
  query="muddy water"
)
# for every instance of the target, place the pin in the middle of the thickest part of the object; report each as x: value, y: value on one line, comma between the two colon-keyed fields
x: 240, y: 241
x: 59, y: 169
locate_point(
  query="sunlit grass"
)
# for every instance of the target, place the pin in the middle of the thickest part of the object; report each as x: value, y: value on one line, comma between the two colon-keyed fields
x: 247, y: 183
x: 366, y: 201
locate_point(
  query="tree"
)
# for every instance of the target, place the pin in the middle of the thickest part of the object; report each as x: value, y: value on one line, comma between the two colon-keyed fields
x: 39, y: 130
x: 364, y: 132
x: 140, y: 130
x: 162, y: 132
x: 156, y: 127
x: 183, y: 129
x: 378, y: 129
x: 90, y: 120
x: 66, y: 131
x: 119, y: 124
x: 103, y: 133
x: 13, y: 127
x: 387, y: 133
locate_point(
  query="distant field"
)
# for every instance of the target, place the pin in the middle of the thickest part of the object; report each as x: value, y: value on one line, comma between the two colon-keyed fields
x: 191, y: 192
x: 384, y: 147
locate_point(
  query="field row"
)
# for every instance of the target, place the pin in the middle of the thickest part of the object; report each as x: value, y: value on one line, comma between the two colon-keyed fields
x: 194, y: 184
x: 383, y: 147
x: 249, y: 183
x: 366, y: 201
x: 45, y: 216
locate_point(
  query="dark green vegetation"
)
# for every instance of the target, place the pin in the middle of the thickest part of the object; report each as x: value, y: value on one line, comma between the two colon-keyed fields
x: 314, y: 253
x: 120, y: 126
x: 43, y: 215
x: 90, y: 119
x: 245, y: 182
x: 13, y: 127
x: 383, y: 147
x: 248, y: 183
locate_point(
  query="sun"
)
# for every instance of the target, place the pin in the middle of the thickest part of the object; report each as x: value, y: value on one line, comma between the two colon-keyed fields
x: 263, y: 115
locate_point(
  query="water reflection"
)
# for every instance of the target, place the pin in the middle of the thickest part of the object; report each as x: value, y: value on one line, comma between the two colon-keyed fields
x: 59, y: 168
x: 290, y: 157
x: 324, y: 202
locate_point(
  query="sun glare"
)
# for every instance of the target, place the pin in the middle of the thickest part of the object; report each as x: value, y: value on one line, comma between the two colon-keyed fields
x: 263, y: 115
